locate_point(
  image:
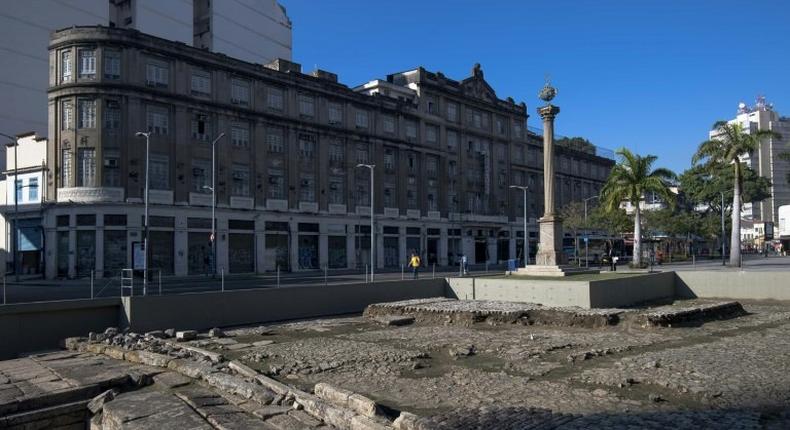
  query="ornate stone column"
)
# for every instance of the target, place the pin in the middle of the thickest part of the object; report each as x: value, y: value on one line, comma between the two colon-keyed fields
x: 550, y: 258
x: 550, y: 250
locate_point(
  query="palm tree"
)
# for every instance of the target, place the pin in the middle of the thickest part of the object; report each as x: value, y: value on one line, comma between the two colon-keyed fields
x: 630, y: 180
x: 730, y: 143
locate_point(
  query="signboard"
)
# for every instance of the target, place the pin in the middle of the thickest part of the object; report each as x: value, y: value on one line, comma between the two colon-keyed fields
x: 769, y: 231
x: 138, y: 256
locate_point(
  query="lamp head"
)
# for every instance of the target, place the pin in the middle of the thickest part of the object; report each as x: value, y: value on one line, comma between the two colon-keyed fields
x: 141, y: 134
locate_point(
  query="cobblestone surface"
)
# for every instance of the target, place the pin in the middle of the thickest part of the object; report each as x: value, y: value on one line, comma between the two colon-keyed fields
x: 730, y: 373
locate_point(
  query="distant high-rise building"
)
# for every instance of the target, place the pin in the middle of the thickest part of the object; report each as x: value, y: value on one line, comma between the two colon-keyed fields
x: 251, y: 30
x: 256, y: 31
x: 765, y: 161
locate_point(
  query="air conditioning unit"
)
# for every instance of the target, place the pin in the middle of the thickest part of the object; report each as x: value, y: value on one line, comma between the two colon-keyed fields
x: 197, y: 171
x: 111, y: 162
x: 305, y: 183
x: 273, y: 180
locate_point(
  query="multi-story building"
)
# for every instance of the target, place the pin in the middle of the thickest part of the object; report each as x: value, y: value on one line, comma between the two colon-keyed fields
x: 765, y: 160
x: 288, y: 190
x: 252, y: 30
x: 21, y: 207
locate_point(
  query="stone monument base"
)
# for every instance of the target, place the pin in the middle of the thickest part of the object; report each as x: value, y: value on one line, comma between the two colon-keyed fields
x: 555, y: 271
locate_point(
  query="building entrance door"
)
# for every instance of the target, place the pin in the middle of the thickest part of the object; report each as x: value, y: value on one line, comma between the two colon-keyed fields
x: 481, y: 251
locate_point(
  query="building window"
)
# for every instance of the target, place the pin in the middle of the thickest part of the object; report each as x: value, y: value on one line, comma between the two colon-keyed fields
x: 337, y: 152
x: 159, y: 170
x: 306, y: 146
x: 361, y: 119
x: 276, y: 184
x: 19, y: 188
x: 452, y: 202
x: 411, y: 129
x: 65, y: 66
x: 240, y: 135
x: 65, y: 171
x: 239, y: 92
x: 32, y: 189
x: 452, y: 140
x: 111, y: 173
x: 201, y: 174
x: 112, y: 64
x: 67, y: 115
x: 388, y: 124
x: 86, y: 167
x: 201, y: 83
x: 452, y: 112
x: 274, y: 141
x: 200, y: 127
x: 431, y: 105
x: 431, y: 166
x: 306, y: 105
x: 389, y: 196
x: 87, y: 113
x: 517, y: 129
x: 337, y: 186
x: 241, y: 180
x: 389, y: 160
x: 431, y: 133
x: 411, y: 199
x: 335, y: 113
x: 412, y: 163
x: 452, y: 168
x: 112, y: 115
x: 157, y: 74
x: 307, y: 187
x: 500, y: 126
x: 87, y: 63
x: 158, y: 120
x: 474, y: 118
x: 274, y: 98
x: 362, y: 155
x: 433, y: 203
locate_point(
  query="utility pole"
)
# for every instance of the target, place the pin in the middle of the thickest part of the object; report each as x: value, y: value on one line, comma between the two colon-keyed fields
x: 213, y: 189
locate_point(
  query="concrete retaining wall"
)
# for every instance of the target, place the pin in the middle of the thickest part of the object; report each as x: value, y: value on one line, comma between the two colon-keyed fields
x: 733, y: 285
x: 206, y: 310
x: 33, y: 327
x: 632, y: 290
x: 604, y: 293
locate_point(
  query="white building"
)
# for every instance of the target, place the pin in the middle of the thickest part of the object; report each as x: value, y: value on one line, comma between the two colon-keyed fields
x: 251, y: 30
x: 256, y: 31
x: 24, y: 203
x: 765, y: 161
x: 782, y: 232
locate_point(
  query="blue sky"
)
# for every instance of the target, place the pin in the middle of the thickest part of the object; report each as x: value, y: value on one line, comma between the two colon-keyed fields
x: 650, y: 75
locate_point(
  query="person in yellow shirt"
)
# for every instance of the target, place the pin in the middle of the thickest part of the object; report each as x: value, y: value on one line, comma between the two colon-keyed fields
x: 414, y: 263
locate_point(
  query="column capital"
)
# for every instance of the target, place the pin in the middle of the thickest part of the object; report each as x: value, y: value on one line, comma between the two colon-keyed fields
x: 548, y: 112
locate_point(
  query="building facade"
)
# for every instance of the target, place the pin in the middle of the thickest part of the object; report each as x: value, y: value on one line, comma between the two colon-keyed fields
x: 289, y: 194
x: 21, y: 205
x: 765, y: 160
x: 252, y: 30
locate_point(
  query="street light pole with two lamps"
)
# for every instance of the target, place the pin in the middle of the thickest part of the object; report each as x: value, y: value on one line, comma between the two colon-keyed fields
x: 145, y: 237
x: 526, y: 235
x: 213, y: 189
x: 372, y: 231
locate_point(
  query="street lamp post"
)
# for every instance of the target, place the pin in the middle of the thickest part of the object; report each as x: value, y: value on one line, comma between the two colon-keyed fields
x: 372, y: 231
x: 213, y: 189
x: 145, y: 238
x: 16, y: 207
x: 526, y: 236
x: 587, y: 238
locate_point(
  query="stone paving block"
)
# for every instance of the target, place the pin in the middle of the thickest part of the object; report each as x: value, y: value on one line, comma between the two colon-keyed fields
x: 238, y: 421
x: 360, y: 422
x: 171, y: 380
x: 199, y: 397
x: 190, y: 368
x: 305, y: 418
x: 186, y: 335
x: 287, y: 422
x: 268, y: 411
x: 151, y: 410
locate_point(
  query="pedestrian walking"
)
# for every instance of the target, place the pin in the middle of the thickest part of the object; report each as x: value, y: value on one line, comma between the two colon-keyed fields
x: 614, y: 263
x: 465, y: 264
x: 414, y: 263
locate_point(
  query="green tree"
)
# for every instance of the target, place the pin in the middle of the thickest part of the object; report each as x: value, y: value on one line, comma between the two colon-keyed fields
x: 728, y: 146
x: 630, y: 180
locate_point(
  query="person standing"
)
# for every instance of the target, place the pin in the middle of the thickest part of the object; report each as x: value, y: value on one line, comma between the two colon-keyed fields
x: 414, y: 263
x: 464, y: 265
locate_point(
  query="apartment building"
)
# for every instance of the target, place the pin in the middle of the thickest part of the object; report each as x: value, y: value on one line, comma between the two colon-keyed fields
x: 288, y: 191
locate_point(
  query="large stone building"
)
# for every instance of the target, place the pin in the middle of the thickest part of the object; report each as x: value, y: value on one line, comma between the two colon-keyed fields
x: 288, y: 190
